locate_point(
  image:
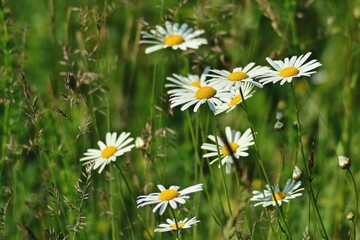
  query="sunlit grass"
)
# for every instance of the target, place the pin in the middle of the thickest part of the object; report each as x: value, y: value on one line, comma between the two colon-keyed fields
x: 71, y: 72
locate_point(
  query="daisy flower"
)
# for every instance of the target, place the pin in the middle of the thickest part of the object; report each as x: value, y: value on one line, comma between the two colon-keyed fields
x: 235, y: 99
x: 289, y: 68
x: 174, y: 36
x: 198, y: 95
x: 108, y: 152
x: 238, y: 143
x: 291, y: 190
x: 167, y: 197
x: 238, y: 76
x: 171, y: 224
x: 178, y: 82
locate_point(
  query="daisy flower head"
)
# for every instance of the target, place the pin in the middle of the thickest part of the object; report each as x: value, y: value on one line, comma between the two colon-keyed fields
x: 173, y: 36
x: 165, y: 197
x: 238, y: 76
x: 109, y: 151
x: 171, y: 224
x: 239, y: 144
x: 288, y: 69
x: 344, y: 162
x: 291, y: 190
x: 178, y: 82
x: 235, y: 99
x: 209, y: 93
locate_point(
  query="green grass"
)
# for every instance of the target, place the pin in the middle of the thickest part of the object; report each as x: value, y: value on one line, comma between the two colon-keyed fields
x: 71, y: 72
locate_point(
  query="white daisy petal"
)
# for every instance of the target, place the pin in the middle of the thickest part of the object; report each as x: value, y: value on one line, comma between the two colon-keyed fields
x: 172, y: 36
x: 238, y: 143
x: 197, y: 93
x: 238, y: 76
x: 266, y: 198
x: 172, y: 224
x: 289, y: 68
x: 171, y: 196
x: 108, y: 152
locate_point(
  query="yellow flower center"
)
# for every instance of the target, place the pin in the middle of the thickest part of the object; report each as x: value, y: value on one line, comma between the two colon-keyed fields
x: 225, y: 151
x: 235, y: 100
x: 195, y: 84
x: 205, y: 92
x: 168, y: 194
x: 279, y: 196
x: 180, y: 225
x: 108, y: 151
x: 237, y: 76
x: 173, y: 40
x: 289, y: 71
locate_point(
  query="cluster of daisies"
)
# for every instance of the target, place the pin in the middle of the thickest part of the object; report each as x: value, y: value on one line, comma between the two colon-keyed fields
x: 115, y: 146
x: 170, y: 197
x: 222, y: 91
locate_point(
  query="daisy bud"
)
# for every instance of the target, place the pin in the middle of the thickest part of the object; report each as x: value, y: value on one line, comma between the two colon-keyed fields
x: 344, y: 162
x: 297, y: 173
x: 279, y: 116
x: 350, y: 216
x: 279, y: 126
x: 139, y: 142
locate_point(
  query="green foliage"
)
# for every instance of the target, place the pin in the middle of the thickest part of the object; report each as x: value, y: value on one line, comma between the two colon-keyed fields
x: 71, y: 71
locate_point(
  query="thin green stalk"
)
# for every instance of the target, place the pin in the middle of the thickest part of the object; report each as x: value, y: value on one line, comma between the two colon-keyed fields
x: 353, y: 236
x: 176, y: 223
x: 291, y: 8
x: 282, y: 152
x: 263, y: 167
x: 356, y: 201
x: 307, y: 172
x: 154, y: 75
x: 112, y: 202
x: 201, y: 170
x: 221, y: 166
x: 4, y: 134
x: 4, y: 38
x: 269, y: 219
x: 133, y: 201
x: 153, y: 90
x: 126, y: 212
x: 196, y: 173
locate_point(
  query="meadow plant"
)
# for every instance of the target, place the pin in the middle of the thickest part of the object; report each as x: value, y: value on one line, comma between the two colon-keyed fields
x: 190, y: 80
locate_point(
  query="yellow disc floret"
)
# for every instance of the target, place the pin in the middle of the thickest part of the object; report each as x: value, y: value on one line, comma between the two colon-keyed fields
x: 168, y: 195
x: 108, y: 151
x: 288, y: 72
x: 235, y: 100
x: 279, y: 196
x: 195, y: 84
x: 237, y: 76
x: 225, y: 151
x: 180, y: 225
x: 205, y: 92
x: 173, y: 40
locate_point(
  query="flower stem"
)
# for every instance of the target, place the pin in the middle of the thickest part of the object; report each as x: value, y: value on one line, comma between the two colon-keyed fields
x: 176, y: 223
x: 307, y: 177
x: 356, y: 201
x: 262, y: 166
x: 195, y: 146
x: 126, y: 211
x: 133, y: 201
x: 221, y: 166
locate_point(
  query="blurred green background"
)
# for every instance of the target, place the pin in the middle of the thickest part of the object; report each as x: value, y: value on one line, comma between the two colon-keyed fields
x: 73, y: 70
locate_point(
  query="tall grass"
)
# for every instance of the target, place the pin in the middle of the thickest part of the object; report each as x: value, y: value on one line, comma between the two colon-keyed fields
x: 71, y: 72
